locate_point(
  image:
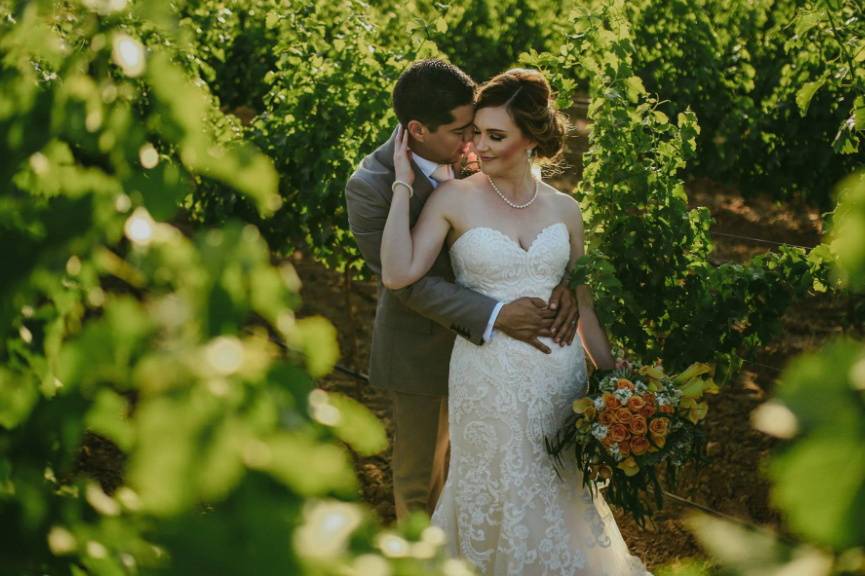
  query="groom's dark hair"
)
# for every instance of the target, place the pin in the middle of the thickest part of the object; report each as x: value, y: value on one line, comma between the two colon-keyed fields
x: 428, y: 90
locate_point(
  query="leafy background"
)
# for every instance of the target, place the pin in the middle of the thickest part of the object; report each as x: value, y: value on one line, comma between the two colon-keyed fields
x: 164, y: 166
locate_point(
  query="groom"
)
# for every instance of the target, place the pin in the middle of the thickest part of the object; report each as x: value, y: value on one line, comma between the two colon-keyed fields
x: 414, y: 327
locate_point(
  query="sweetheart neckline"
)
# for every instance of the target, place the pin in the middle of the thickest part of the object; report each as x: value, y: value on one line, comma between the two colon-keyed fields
x: 516, y: 243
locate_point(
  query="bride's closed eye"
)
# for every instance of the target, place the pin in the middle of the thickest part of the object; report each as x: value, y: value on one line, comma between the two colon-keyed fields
x: 493, y: 137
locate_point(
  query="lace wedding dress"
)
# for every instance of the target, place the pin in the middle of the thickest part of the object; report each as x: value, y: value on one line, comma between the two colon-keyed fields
x: 503, y: 507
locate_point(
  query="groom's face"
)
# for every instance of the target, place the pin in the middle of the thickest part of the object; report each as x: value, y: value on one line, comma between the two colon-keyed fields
x: 445, y: 145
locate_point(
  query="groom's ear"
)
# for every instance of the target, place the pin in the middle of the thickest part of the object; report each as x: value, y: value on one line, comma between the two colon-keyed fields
x: 417, y: 130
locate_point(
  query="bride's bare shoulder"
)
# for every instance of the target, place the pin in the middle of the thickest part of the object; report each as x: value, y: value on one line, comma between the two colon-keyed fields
x: 458, y: 191
x: 566, y: 203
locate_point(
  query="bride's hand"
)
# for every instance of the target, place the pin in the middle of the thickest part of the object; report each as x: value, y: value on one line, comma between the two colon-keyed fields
x: 402, y: 157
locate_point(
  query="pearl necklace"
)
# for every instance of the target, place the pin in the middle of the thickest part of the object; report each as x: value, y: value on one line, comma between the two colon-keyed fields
x: 508, y: 202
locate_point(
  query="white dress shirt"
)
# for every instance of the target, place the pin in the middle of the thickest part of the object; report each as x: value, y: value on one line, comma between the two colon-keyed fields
x: 427, y: 167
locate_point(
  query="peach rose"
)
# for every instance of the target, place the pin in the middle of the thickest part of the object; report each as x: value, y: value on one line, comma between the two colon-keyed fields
x: 625, y: 447
x: 617, y: 432
x: 648, y: 410
x: 639, y: 445
x: 623, y: 416
x: 638, y: 425
x: 659, y: 426
x: 666, y: 409
x: 636, y: 404
x: 625, y: 383
x: 610, y: 401
x: 607, y: 417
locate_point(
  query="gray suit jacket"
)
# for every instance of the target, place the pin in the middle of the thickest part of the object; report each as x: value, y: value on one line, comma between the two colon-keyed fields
x: 412, y: 338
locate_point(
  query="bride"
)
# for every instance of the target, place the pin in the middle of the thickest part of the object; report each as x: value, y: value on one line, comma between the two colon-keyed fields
x: 503, y: 507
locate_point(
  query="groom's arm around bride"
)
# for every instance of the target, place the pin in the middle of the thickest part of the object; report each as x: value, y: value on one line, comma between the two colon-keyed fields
x: 414, y: 326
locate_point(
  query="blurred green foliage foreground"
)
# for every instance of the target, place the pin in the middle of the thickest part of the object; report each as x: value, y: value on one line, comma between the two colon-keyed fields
x: 181, y: 348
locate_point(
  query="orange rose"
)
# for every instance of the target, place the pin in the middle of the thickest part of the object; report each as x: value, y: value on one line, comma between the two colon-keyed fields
x: 625, y: 447
x: 610, y: 401
x: 625, y: 383
x: 666, y: 409
x: 636, y: 404
x: 607, y: 441
x: 659, y: 426
x: 607, y: 417
x: 638, y: 425
x: 617, y: 432
x: 648, y: 410
x: 623, y: 416
x: 639, y: 445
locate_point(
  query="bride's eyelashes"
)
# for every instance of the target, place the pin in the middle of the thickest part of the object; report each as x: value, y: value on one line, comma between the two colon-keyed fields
x: 493, y: 137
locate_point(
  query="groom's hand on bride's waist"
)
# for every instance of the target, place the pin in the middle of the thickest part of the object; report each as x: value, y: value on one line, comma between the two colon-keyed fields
x: 564, y: 301
x: 527, y: 319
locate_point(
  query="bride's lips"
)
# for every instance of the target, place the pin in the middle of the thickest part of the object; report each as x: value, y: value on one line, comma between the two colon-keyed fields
x: 486, y: 158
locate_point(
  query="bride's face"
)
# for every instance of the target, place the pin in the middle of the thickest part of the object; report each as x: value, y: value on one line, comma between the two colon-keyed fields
x: 500, y: 144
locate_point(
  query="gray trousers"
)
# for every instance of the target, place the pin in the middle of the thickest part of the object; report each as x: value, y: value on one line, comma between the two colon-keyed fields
x: 420, y: 451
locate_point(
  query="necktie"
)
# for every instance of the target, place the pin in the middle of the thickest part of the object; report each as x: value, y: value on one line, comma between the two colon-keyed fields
x: 442, y: 174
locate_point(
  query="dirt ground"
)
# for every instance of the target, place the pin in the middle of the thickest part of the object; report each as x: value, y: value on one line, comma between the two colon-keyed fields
x: 732, y: 482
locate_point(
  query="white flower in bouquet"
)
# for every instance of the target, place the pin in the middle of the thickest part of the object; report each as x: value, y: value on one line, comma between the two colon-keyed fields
x: 599, y: 431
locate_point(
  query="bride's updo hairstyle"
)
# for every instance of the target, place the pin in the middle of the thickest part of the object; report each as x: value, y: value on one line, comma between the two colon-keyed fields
x: 527, y: 97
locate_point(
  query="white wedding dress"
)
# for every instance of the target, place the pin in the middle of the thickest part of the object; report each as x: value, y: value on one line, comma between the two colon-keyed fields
x: 503, y: 507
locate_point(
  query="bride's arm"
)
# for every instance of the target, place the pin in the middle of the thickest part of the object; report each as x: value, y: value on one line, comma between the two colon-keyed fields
x: 406, y: 254
x: 591, y: 332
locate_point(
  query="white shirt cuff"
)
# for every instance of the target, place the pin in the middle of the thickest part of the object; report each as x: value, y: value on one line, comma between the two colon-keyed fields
x: 488, y: 333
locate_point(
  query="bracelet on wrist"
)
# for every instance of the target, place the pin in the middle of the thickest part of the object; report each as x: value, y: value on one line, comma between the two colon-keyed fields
x: 402, y: 183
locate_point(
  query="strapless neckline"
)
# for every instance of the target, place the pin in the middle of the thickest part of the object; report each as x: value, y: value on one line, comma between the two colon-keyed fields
x: 513, y: 242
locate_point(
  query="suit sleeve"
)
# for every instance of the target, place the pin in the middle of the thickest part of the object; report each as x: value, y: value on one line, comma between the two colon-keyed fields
x: 453, y: 306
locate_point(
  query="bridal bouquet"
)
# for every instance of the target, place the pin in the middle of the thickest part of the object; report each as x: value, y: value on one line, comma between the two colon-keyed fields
x: 632, y: 421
